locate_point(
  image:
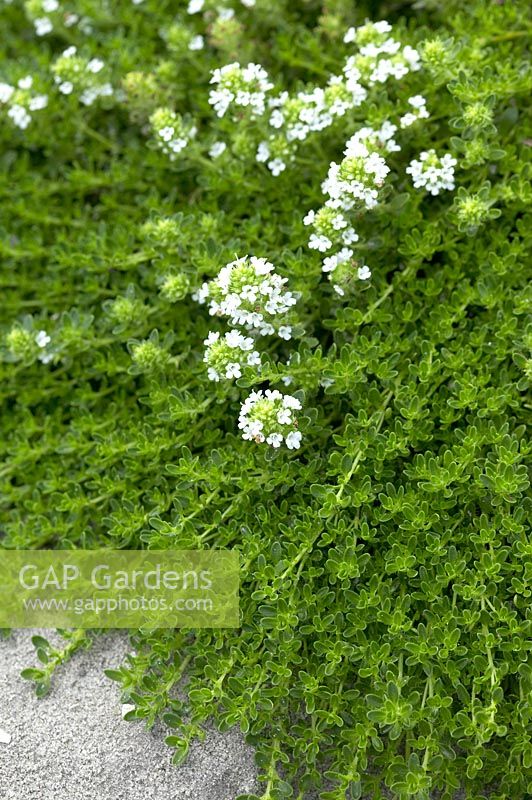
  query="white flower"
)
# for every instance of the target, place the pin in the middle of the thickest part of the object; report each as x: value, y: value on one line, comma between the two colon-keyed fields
x: 42, y: 339
x: 350, y: 36
x: 105, y: 90
x: 25, y: 83
x: 364, y: 273
x: 49, y: 6
x: 225, y: 356
x: 225, y: 14
x: 263, y: 152
x: 211, y: 338
x: 407, y: 119
x: 196, y: 43
x: 66, y: 87
x: 291, y: 402
x: 276, y: 166
x: 95, y: 65
x: 349, y: 236
x: 38, y: 102
x: 6, y: 92
x: 19, y: 116
x: 417, y: 101
x: 275, y: 439
x: 293, y: 440
x: 329, y: 263
x: 88, y: 96
x: 284, y: 416
x: 321, y: 243
x: 43, y: 25
x: 285, y: 332
x: 253, y: 359
x: 217, y: 149
x: 233, y: 370
x: 195, y: 6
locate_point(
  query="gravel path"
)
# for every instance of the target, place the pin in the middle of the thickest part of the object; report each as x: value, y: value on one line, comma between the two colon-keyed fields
x: 74, y: 745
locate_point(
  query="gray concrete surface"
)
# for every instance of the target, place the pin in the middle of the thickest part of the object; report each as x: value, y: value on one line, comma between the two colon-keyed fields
x: 74, y: 745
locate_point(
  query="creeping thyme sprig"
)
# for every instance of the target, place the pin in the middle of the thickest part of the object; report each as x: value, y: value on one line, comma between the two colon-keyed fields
x: 172, y: 133
x: 86, y: 77
x: 309, y: 111
x: 356, y: 180
x: 226, y: 355
x: 353, y: 184
x: 385, y: 613
x: 433, y: 172
x: 24, y: 344
x: 241, y: 87
x: 380, y: 56
x: 21, y: 100
x: 251, y: 294
x: 269, y: 417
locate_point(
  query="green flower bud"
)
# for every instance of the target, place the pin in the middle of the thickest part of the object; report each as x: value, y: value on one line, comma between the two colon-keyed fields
x: 21, y: 344
x: 175, y: 287
x: 148, y: 356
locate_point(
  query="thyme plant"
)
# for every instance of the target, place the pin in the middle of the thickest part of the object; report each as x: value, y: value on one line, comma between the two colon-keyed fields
x: 264, y: 286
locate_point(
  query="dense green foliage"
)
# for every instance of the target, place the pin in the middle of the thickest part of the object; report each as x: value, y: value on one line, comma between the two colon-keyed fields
x: 386, y: 580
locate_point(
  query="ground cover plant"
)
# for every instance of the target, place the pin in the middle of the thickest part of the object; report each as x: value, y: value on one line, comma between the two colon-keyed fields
x: 265, y: 286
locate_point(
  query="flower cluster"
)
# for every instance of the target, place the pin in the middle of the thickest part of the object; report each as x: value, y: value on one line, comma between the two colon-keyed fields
x: 352, y: 184
x: 251, y: 294
x: 295, y: 117
x: 357, y: 179
x: 172, y: 133
x: 419, y: 111
x: 315, y: 110
x: 84, y: 76
x: 226, y: 355
x: 380, y: 56
x: 330, y: 225
x: 269, y: 417
x: 21, y: 101
x: 244, y: 87
x: 432, y: 172
x: 26, y: 344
